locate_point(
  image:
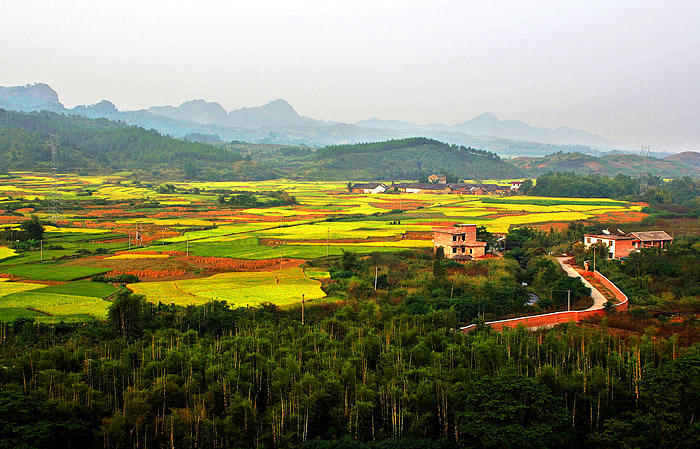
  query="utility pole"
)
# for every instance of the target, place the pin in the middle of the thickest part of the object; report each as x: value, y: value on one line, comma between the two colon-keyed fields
x: 568, y: 300
x: 302, y: 309
x: 188, y: 246
x: 328, y: 239
x: 376, y: 271
x: 41, y: 251
x: 129, y: 234
x: 281, y: 253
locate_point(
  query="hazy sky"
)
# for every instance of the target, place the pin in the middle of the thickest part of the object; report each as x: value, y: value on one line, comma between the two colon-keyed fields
x: 627, y: 70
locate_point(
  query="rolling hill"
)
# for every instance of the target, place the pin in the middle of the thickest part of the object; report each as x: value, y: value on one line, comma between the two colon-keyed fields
x: 404, y: 159
x: 100, y: 145
x: 610, y: 164
x: 691, y: 158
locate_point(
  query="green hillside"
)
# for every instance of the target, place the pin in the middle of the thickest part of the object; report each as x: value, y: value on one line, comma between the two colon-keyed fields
x: 405, y: 159
x: 611, y: 165
x: 100, y: 145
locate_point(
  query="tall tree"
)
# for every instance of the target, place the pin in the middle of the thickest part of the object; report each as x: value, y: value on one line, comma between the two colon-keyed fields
x: 33, y: 229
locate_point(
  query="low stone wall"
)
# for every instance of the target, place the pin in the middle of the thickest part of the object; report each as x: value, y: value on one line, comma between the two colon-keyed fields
x: 623, y: 302
x: 551, y: 319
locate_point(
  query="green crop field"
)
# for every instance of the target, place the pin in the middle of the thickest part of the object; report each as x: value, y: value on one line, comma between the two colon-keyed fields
x: 81, y: 288
x: 283, y: 287
x: 74, y: 301
x: 66, y: 307
x: 52, y: 272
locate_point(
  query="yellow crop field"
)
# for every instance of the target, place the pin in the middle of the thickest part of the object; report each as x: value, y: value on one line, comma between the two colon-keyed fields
x: 8, y: 288
x: 315, y: 274
x: 50, y: 228
x: 6, y: 252
x: 282, y: 287
x: 223, y: 231
x: 503, y: 223
x: 55, y: 304
x: 404, y: 243
x: 337, y: 230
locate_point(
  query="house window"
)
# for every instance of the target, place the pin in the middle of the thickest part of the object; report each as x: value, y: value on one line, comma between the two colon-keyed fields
x: 470, y: 251
x: 454, y: 250
x: 454, y: 238
x: 588, y: 240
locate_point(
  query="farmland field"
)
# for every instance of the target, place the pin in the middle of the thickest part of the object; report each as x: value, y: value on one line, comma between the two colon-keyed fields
x: 282, y: 287
x: 69, y: 307
x: 189, y: 244
x: 53, y: 272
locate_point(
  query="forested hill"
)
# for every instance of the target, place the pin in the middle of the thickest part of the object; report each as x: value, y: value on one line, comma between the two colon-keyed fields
x: 100, y: 145
x: 609, y: 165
x: 406, y: 159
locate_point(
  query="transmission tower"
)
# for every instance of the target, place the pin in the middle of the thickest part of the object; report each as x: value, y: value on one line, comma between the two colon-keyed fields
x: 139, y: 234
x: 644, y: 175
x: 55, y: 195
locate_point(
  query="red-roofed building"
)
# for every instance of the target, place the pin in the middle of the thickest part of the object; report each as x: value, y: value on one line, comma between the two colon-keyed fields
x: 458, y: 242
x: 622, y: 245
x: 651, y: 239
x: 618, y: 245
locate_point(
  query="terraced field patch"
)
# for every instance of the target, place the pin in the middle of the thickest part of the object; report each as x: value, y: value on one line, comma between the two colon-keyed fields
x: 138, y: 256
x: 281, y: 287
x: 67, y: 307
x: 6, y: 252
x: 53, y: 272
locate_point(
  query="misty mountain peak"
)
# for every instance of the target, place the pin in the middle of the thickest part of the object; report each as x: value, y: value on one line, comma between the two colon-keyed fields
x: 30, y: 96
x: 280, y: 107
x: 273, y: 114
x: 487, y: 116
x: 106, y: 106
x: 198, y: 110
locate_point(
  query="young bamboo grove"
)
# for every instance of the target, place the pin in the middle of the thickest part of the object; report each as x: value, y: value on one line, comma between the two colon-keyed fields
x: 212, y: 377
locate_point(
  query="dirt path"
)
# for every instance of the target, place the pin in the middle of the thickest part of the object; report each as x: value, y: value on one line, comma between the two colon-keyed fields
x: 599, y: 299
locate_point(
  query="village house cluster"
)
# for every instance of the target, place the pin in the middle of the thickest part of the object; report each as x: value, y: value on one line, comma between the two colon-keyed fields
x: 437, y: 185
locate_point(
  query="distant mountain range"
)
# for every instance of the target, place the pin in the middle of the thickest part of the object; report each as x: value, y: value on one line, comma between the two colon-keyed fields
x: 278, y: 123
x: 489, y: 125
x: 98, y: 145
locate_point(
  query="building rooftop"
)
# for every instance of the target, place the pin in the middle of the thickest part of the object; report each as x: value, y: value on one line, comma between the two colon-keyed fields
x: 368, y: 185
x: 610, y: 236
x: 452, y: 229
x: 422, y: 185
x: 650, y: 236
